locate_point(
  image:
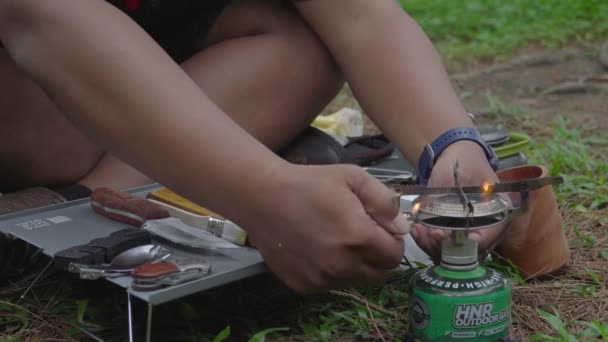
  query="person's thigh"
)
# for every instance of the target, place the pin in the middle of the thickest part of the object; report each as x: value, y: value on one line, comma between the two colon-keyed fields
x: 39, y: 146
x: 266, y: 69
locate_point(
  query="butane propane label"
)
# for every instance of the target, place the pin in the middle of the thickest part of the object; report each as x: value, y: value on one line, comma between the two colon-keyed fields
x: 456, y: 284
x: 478, y: 315
x: 436, y: 318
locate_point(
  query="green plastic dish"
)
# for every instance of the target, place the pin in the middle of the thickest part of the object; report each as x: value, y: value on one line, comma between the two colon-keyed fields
x: 518, y: 142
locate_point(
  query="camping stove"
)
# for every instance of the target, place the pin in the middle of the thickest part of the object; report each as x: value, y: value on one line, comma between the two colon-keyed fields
x: 460, y: 299
x: 450, y: 212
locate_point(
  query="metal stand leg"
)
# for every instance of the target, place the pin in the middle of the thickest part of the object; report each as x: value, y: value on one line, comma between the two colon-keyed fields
x: 130, y: 313
x: 86, y: 332
x: 35, y: 280
x: 149, y: 324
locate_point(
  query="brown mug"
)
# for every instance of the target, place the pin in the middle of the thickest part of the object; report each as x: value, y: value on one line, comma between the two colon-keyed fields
x: 534, y: 241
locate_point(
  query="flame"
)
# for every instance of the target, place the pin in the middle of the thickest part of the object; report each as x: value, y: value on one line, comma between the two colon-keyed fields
x: 487, y: 188
x: 415, y: 208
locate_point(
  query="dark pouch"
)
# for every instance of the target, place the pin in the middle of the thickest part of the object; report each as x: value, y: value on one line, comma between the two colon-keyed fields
x: 79, y: 254
x: 315, y: 147
x: 120, y: 241
x: 366, y: 150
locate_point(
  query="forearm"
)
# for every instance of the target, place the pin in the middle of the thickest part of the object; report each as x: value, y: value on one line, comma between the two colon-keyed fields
x: 392, y: 67
x: 115, y: 83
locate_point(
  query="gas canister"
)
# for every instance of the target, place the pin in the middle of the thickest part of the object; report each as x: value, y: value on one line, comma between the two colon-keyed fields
x: 456, y: 302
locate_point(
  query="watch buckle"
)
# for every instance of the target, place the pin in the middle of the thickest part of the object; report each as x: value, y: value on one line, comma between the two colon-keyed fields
x: 429, y: 150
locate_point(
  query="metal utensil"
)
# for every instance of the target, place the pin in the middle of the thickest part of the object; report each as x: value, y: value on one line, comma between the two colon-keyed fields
x: 169, y: 273
x: 174, y: 230
x: 123, y: 263
x: 524, y: 186
x: 390, y: 175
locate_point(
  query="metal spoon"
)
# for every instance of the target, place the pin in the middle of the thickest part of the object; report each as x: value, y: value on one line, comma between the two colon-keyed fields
x: 123, y: 263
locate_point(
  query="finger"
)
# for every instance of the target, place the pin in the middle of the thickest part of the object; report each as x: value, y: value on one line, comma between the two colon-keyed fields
x: 377, y: 247
x: 371, y: 275
x: 380, y: 203
x: 488, y: 238
x: 475, y: 236
x: 365, y: 275
x: 438, y: 235
x: 345, y: 270
x: 422, y: 236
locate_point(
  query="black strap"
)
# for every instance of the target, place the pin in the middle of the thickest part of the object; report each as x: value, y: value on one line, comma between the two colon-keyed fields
x: 73, y: 192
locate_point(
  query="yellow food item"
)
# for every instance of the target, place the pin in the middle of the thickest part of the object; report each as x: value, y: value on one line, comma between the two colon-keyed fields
x: 346, y: 122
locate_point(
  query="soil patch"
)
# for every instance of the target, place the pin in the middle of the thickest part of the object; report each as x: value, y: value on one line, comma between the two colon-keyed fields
x: 571, y: 83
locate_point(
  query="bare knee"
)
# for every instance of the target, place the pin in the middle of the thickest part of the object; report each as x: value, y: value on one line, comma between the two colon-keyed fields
x: 304, y: 67
x: 301, y: 62
x: 300, y: 52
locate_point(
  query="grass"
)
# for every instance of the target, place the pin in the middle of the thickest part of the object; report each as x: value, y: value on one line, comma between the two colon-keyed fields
x: 577, y: 152
x: 496, y: 28
x: 571, y: 307
x: 593, y: 331
x: 581, y: 161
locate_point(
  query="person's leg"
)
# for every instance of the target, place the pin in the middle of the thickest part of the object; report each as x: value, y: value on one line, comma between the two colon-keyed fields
x: 39, y: 146
x: 265, y: 67
x: 262, y: 65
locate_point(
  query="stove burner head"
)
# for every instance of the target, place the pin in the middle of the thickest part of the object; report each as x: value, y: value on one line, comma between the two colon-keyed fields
x: 450, y: 205
x: 447, y: 212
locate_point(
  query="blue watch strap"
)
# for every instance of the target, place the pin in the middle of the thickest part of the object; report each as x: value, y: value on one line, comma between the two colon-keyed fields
x: 432, y: 151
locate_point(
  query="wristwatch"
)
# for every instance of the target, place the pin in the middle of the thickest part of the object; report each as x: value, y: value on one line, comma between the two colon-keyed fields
x: 433, y: 150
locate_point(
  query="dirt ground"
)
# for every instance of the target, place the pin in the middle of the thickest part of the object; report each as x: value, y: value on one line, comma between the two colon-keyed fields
x: 572, y: 83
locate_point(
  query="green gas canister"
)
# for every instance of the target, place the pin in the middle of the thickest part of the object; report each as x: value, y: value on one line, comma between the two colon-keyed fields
x: 459, y: 300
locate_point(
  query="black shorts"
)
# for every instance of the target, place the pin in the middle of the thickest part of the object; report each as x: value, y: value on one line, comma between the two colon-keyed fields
x: 178, y: 26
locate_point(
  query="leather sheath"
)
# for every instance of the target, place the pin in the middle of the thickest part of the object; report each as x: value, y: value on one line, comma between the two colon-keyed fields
x: 123, y: 207
x: 156, y: 270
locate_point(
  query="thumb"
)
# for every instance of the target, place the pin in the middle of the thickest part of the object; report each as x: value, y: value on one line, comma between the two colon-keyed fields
x: 380, y: 203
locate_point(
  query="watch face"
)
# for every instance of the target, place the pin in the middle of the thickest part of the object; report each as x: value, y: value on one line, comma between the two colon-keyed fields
x: 493, y: 159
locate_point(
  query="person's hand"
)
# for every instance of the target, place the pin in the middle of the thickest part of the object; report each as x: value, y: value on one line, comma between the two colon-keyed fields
x: 321, y: 227
x: 474, y: 170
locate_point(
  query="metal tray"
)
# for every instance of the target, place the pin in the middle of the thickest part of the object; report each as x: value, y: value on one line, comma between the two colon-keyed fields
x: 61, y: 226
